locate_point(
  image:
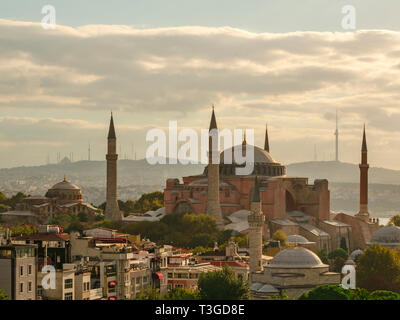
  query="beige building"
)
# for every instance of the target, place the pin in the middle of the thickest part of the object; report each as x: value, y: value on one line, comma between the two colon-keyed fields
x: 64, y: 284
x: 18, y: 264
x: 294, y: 271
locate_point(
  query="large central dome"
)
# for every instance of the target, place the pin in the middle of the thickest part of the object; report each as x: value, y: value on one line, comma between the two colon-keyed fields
x: 260, y: 155
x: 264, y: 163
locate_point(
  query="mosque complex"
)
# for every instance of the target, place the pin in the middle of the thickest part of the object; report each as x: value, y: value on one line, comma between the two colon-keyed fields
x: 290, y: 204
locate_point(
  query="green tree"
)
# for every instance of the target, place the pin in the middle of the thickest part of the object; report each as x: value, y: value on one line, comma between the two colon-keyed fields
x: 3, y: 208
x: 326, y: 292
x: 3, y: 198
x: 280, y: 236
x: 222, y: 285
x: 181, y: 294
x: 83, y: 216
x: 203, y: 240
x: 338, y: 264
x: 3, y: 296
x: 378, y: 268
x: 359, y: 294
x: 384, y: 295
x: 343, y: 244
x: 149, y: 293
x: 339, y: 252
x: 395, y: 220
x: 323, y: 255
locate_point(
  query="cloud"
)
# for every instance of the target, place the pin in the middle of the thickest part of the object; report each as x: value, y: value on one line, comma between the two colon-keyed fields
x: 294, y: 80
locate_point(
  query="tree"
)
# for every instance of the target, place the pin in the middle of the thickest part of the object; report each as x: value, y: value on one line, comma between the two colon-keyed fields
x: 281, y: 237
x: 384, y: 295
x: 326, y: 292
x: 203, y: 240
x: 3, y: 296
x: 343, y: 244
x: 339, y: 252
x: 181, y: 294
x: 359, y: 294
x: 149, y: 293
x: 338, y: 264
x: 395, y: 220
x: 323, y: 255
x: 3, y: 208
x: 83, y: 216
x: 379, y: 269
x: 222, y: 285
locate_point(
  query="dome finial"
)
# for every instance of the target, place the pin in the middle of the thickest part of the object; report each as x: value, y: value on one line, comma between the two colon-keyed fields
x: 65, y: 178
x: 244, y: 137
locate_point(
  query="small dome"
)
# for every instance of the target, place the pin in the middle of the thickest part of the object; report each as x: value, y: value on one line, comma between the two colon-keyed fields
x: 296, y: 257
x: 355, y: 254
x: 296, y: 238
x: 388, y: 235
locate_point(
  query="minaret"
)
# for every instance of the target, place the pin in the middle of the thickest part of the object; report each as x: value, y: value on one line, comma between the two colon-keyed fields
x: 213, y: 204
x: 364, y: 166
x: 337, y: 138
x: 266, y: 143
x: 256, y: 223
x: 112, y: 210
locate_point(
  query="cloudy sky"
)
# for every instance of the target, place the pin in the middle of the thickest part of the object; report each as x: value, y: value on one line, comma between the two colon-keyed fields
x: 288, y: 63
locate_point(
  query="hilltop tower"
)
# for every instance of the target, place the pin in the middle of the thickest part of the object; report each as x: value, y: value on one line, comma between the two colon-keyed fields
x: 213, y: 204
x: 256, y: 223
x: 364, y: 166
x: 112, y: 211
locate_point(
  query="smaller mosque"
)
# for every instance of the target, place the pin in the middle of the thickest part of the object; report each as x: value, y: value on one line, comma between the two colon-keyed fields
x: 294, y: 270
x: 62, y: 198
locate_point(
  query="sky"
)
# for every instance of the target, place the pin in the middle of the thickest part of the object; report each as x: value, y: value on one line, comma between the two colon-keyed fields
x: 286, y: 63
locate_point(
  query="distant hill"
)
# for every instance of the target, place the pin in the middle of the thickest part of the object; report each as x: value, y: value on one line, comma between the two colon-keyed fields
x: 341, y: 172
x: 136, y: 177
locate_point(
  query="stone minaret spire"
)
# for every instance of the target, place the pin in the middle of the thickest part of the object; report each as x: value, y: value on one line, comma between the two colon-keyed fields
x: 266, y: 143
x: 112, y: 210
x: 213, y: 204
x: 256, y: 223
x: 364, y: 166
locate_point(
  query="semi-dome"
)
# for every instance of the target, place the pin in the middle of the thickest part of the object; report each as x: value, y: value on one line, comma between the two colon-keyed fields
x: 386, y: 235
x: 296, y: 257
x: 296, y: 238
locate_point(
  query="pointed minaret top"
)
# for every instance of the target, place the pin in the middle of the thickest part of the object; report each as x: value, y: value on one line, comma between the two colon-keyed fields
x: 111, y: 131
x: 364, y: 142
x: 256, y: 191
x: 266, y: 143
x: 244, y: 138
x: 65, y: 178
x: 213, y: 122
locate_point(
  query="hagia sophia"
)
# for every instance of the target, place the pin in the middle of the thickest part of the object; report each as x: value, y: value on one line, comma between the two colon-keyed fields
x: 291, y: 204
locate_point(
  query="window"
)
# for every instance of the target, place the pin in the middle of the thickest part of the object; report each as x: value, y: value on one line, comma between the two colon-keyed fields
x: 178, y: 285
x: 30, y: 286
x: 144, y: 279
x: 137, y: 280
x: 21, y: 270
x: 170, y: 275
x: 68, y: 283
x: 21, y: 287
x: 68, y: 296
x: 30, y: 269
